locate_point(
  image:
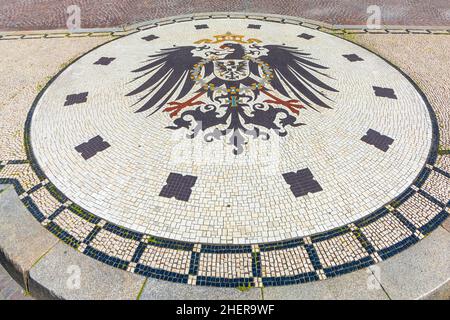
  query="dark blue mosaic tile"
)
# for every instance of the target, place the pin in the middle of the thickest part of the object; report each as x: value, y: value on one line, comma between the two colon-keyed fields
x: 207, y: 248
x: 92, y: 235
x: 405, y: 195
x: 313, y: 256
x: 34, y: 210
x: 372, y: 217
x: 224, y: 282
x: 330, y: 234
x: 63, y: 235
x: 265, y: 247
x: 56, y: 213
x: 17, y: 186
x: 364, y: 241
x: 348, y: 267
x: 398, y: 247
x: 352, y: 57
x: 138, y: 252
x: 431, y: 198
x: 405, y: 221
x: 84, y: 214
x: 201, y: 26
x: 193, y: 266
x: 256, y: 264
x: 444, y: 173
x: 18, y: 162
x: 35, y: 188
x: 40, y: 174
x: 103, y: 257
x: 423, y: 176
x: 58, y: 195
x: 122, y: 232
x: 297, y: 279
x: 147, y: 271
x: 305, y: 36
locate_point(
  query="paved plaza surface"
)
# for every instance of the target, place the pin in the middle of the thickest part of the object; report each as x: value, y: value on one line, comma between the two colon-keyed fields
x: 52, y: 14
x: 227, y: 153
x: 9, y: 289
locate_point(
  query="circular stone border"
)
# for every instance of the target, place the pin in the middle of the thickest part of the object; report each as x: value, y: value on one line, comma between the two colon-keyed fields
x: 183, y: 261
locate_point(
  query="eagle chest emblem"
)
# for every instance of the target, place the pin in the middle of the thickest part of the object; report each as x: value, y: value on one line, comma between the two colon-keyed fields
x: 231, y: 69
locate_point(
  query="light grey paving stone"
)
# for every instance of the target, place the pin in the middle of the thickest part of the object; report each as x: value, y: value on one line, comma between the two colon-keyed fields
x: 164, y: 290
x: 64, y: 273
x: 22, y: 239
x: 419, y: 270
x: 359, y: 285
x: 441, y: 293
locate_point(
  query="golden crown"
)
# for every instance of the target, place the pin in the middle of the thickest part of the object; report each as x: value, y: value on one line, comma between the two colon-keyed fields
x: 228, y: 37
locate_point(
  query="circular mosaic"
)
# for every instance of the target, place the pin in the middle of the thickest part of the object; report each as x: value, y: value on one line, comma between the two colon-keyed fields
x: 234, y: 152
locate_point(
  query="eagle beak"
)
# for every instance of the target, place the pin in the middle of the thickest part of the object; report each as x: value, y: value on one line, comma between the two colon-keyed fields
x: 224, y: 47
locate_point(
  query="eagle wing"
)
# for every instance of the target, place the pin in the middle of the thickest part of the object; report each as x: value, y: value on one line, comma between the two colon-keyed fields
x: 166, y: 72
x: 295, y: 70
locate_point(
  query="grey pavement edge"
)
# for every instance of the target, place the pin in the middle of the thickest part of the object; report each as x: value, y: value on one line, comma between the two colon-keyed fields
x: 23, y: 241
x: 162, y: 290
x: 50, y: 269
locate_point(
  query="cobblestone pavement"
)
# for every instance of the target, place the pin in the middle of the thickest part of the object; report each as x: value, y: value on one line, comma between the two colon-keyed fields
x: 73, y: 107
x: 420, y: 60
x: 52, y: 14
x: 9, y: 289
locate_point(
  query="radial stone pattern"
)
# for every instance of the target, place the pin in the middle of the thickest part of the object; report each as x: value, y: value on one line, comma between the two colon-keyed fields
x: 234, y: 152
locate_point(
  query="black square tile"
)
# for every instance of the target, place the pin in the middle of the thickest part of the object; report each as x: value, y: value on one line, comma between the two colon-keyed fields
x: 92, y: 147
